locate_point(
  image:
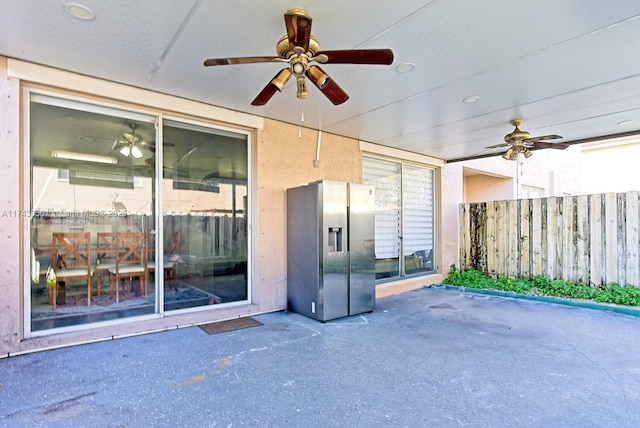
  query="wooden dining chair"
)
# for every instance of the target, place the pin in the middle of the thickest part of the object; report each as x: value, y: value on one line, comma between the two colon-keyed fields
x: 105, y: 256
x: 130, y: 262
x: 71, y: 255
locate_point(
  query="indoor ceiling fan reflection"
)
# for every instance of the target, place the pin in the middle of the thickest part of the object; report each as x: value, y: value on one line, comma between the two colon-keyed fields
x: 131, y: 150
x: 131, y: 143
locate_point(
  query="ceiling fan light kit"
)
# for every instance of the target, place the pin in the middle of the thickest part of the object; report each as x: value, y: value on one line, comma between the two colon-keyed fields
x: 132, y: 143
x: 299, y: 49
x: 520, y: 141
x: 281, y: 79
x: 131, y: 150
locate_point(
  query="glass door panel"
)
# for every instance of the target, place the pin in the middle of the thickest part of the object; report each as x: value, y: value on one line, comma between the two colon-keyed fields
x: 204, y: 215
x: 386, y: 176
x: 418, y: 226
x: 91, y: 195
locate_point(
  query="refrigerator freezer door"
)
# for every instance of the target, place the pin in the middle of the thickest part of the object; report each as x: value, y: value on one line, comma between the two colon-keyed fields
x: 333, y: 292
x: 303, y: 253
x: 362, y: 276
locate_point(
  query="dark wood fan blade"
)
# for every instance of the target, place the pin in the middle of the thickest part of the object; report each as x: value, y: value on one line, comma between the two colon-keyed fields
x: 298, y: 24
x: 359, y: 56
x: 265, y: 95
x: 542, y: 138
x: 242, y: 60
x: 542, y: 145
x: 498, y: 145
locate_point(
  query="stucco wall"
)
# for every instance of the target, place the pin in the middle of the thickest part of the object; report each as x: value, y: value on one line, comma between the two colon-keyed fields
x: 610, y: 168
x: 282, y: 161
x: 480, y: 188
x: 10, y: 261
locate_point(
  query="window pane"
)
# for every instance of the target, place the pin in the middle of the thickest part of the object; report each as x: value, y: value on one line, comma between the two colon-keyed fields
x: 417, y: 186
x: 385, y: 176
x: 205, y: 212
x: 82, y: 196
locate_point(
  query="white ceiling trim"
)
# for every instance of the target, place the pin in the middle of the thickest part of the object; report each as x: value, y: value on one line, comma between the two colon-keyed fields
x: 40, y: 74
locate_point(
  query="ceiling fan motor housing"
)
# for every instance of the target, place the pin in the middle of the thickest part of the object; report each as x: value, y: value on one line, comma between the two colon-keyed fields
x: 517, y: 136
x: 284, y: 51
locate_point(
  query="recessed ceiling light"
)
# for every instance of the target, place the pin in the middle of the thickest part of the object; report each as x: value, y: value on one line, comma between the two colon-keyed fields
x: 472, y: 99
x: 405, y: 67
x: 625, y: 122
x: 79, y: 11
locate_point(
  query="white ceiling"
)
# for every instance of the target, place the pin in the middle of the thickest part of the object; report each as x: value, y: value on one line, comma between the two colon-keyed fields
x: 569, y: 67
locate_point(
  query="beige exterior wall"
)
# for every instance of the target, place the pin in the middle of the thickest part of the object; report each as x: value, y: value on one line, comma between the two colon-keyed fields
x: 281, y: 159
x: 10, y: 248
x: 479, y: 187
x: 611, y: 167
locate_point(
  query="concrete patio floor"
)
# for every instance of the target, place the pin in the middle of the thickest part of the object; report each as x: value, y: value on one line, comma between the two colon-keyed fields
x: 427, y: 358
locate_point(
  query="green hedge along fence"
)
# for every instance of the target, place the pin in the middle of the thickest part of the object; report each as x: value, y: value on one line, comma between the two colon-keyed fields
x: 544, y: 286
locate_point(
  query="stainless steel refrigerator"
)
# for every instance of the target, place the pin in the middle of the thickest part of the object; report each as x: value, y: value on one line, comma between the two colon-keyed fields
x: 330, y: 249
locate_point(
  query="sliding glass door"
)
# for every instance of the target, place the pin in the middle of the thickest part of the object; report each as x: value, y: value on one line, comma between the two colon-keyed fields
x: 205, y: 212
x: 112, y: 237
x: 404, y: 219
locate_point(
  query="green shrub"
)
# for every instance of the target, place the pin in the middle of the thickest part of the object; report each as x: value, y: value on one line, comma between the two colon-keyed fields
x: 545, y: 286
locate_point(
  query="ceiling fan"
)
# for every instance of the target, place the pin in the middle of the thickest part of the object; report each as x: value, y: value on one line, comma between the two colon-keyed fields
x: 520, y: 141
x: 299, y: 49
x: 131, y: 143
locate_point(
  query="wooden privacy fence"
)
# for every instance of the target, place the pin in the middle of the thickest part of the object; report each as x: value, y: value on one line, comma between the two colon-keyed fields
x: 591, y: 239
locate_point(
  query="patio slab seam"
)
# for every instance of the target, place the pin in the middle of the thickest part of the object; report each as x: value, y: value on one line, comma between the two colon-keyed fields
x: 627, y: 310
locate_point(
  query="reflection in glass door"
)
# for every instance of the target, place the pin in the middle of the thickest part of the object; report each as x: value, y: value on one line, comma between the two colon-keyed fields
x: 204, y: 215
x: 91, y: 199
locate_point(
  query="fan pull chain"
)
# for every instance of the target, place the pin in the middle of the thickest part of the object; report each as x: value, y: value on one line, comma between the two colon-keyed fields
x: 301, y: 120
